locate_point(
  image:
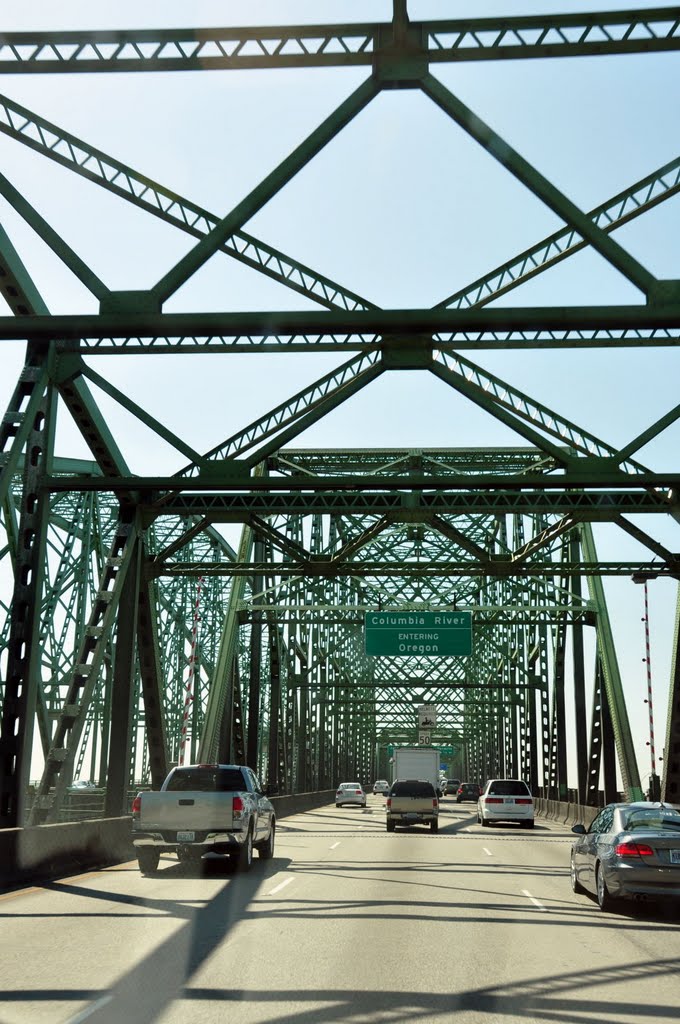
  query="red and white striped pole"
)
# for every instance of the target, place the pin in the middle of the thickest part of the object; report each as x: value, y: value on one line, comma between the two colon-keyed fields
x: 189, y: 688
x: 649, y: 684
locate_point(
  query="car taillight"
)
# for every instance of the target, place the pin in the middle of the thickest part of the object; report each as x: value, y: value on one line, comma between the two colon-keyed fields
x: 494, y: 800
x: 460, y: 790
x: 521, y: 800
x: 357, y: 792
x: 389, y: 802
x: 236, y: 805
x: 137, y: 805
x: 631, y: 849
x: 434, y: 803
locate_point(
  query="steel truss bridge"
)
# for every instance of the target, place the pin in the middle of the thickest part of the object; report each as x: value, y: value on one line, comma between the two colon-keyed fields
x: 134, y: 634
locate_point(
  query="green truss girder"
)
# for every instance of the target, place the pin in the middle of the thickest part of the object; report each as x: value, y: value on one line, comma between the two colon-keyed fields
x: 342, y: 45
x: 110, y: 331
x: 350, y: 530
x: 66, y: 149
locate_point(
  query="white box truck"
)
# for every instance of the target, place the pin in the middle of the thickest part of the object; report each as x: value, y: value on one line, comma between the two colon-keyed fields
x: 416, y: 763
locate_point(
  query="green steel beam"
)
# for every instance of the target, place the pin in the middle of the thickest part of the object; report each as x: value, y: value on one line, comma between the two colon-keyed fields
x: 84, y: 330
x: 422, y: 569
x: 262, y: 193
x: 44, y: 137
x: 294, y: 415
x: 341, y: 45
x: 612, y: 677
x: 614, y: 213
x: 543, y: 189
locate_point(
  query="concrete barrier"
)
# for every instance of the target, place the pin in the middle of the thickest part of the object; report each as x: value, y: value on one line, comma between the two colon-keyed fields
x: 41, y: 852
x: 565, y: 813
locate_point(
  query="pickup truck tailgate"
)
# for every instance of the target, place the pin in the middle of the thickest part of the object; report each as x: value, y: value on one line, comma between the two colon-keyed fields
x: 185, y: 811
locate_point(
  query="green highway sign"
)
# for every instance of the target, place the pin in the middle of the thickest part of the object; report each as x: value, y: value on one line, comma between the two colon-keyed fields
x: 405, y: 634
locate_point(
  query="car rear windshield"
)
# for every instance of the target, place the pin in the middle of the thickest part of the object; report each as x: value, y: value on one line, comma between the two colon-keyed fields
x: 412, y: 787
x: 509, y: 787
x: 653, y: 818
x: 207, y: 780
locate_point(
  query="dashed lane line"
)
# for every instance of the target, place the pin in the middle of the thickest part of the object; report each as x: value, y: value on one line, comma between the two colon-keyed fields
x: 279, y: 887
x: 535, y: 902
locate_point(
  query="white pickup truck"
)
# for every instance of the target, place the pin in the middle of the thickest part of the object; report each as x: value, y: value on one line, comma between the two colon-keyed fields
x: 201, y: 808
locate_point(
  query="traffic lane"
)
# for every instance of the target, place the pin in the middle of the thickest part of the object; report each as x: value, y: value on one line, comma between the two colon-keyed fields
x: 265, y: 939
x: 364, y: 933
x: 114, y: 945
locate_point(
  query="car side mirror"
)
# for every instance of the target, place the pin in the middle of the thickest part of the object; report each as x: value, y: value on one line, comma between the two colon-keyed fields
x: 579, y: 829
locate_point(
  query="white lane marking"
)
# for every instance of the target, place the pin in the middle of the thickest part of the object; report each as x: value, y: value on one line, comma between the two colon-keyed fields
x: 535, y: 901
x: 334, y: 846
x: 279, y: 887
x: 487, y: 852
x: 84, y: 1014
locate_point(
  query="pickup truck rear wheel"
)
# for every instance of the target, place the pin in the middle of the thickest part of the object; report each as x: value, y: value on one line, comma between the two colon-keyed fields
x: 244, y: 857
x: 147, y: 858
x: 266, y: 849
x: 390, y: 826
x: 434, y: 826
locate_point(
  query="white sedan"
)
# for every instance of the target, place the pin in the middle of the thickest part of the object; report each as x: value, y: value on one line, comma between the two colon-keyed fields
x: 381, y: 786
x: 350, y: 793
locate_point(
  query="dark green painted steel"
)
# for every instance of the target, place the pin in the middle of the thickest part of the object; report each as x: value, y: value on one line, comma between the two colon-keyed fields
x: 281, y: 674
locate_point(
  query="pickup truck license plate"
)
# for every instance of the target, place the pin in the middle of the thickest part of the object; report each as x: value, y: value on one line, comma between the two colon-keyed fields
x: 186, y: 837
x: 675, y: 856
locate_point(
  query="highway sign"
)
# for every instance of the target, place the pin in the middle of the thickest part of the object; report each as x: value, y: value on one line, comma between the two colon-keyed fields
x: 424, y: 738
x: 429, y: 634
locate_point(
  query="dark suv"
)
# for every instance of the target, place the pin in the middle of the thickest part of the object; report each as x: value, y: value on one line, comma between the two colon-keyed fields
x: 468, y: 791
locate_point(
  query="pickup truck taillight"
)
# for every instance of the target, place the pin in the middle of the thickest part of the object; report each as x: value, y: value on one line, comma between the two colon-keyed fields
x: 388, y: 803
x: 137, y: 805
x: 435, y: 803
x: 237, y: 806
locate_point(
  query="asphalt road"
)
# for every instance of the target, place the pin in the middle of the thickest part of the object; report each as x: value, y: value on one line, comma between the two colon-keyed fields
x: 346, y: 923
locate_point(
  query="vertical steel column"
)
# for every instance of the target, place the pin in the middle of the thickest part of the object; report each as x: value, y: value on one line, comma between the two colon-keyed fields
x: 24, y: 647
x: 254, y: 682
x: 670, y: 787
x: 580, y: 723
x: 119, y: 768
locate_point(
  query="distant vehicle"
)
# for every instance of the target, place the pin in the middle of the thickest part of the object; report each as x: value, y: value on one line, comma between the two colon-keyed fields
x: 201, y: 808
x: 468, y: 791
x: 630, y: 851
x: 350, y: 793
x: 79, y: 785
x: 508, y: 800
x: 412, y: 802
x: 381, y: 786
x: 452, y: 786
x: 416, y: 763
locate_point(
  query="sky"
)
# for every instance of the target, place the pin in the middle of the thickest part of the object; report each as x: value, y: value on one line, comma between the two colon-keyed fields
x: 402, y: 207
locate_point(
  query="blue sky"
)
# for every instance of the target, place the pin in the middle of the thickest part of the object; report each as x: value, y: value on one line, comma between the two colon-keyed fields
x: 403, y: 208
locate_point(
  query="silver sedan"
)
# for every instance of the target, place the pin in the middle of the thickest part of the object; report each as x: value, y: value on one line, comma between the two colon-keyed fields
x: 350, y: 793
x: 630, y: 851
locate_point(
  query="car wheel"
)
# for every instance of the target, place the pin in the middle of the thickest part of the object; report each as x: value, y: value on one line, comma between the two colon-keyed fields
x: 485, y: 822
x: 390, y: 826
x: 244, y: 857
x: 266, y: 850
x: 573, y: 877
x: 338, y: 805
x: 148, y: 858
x: 434, y: 826
x: 604, y: 900
x: 527, y: 824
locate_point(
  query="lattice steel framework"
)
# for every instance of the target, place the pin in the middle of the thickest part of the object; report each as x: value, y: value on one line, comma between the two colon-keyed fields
x: 100, y: 565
